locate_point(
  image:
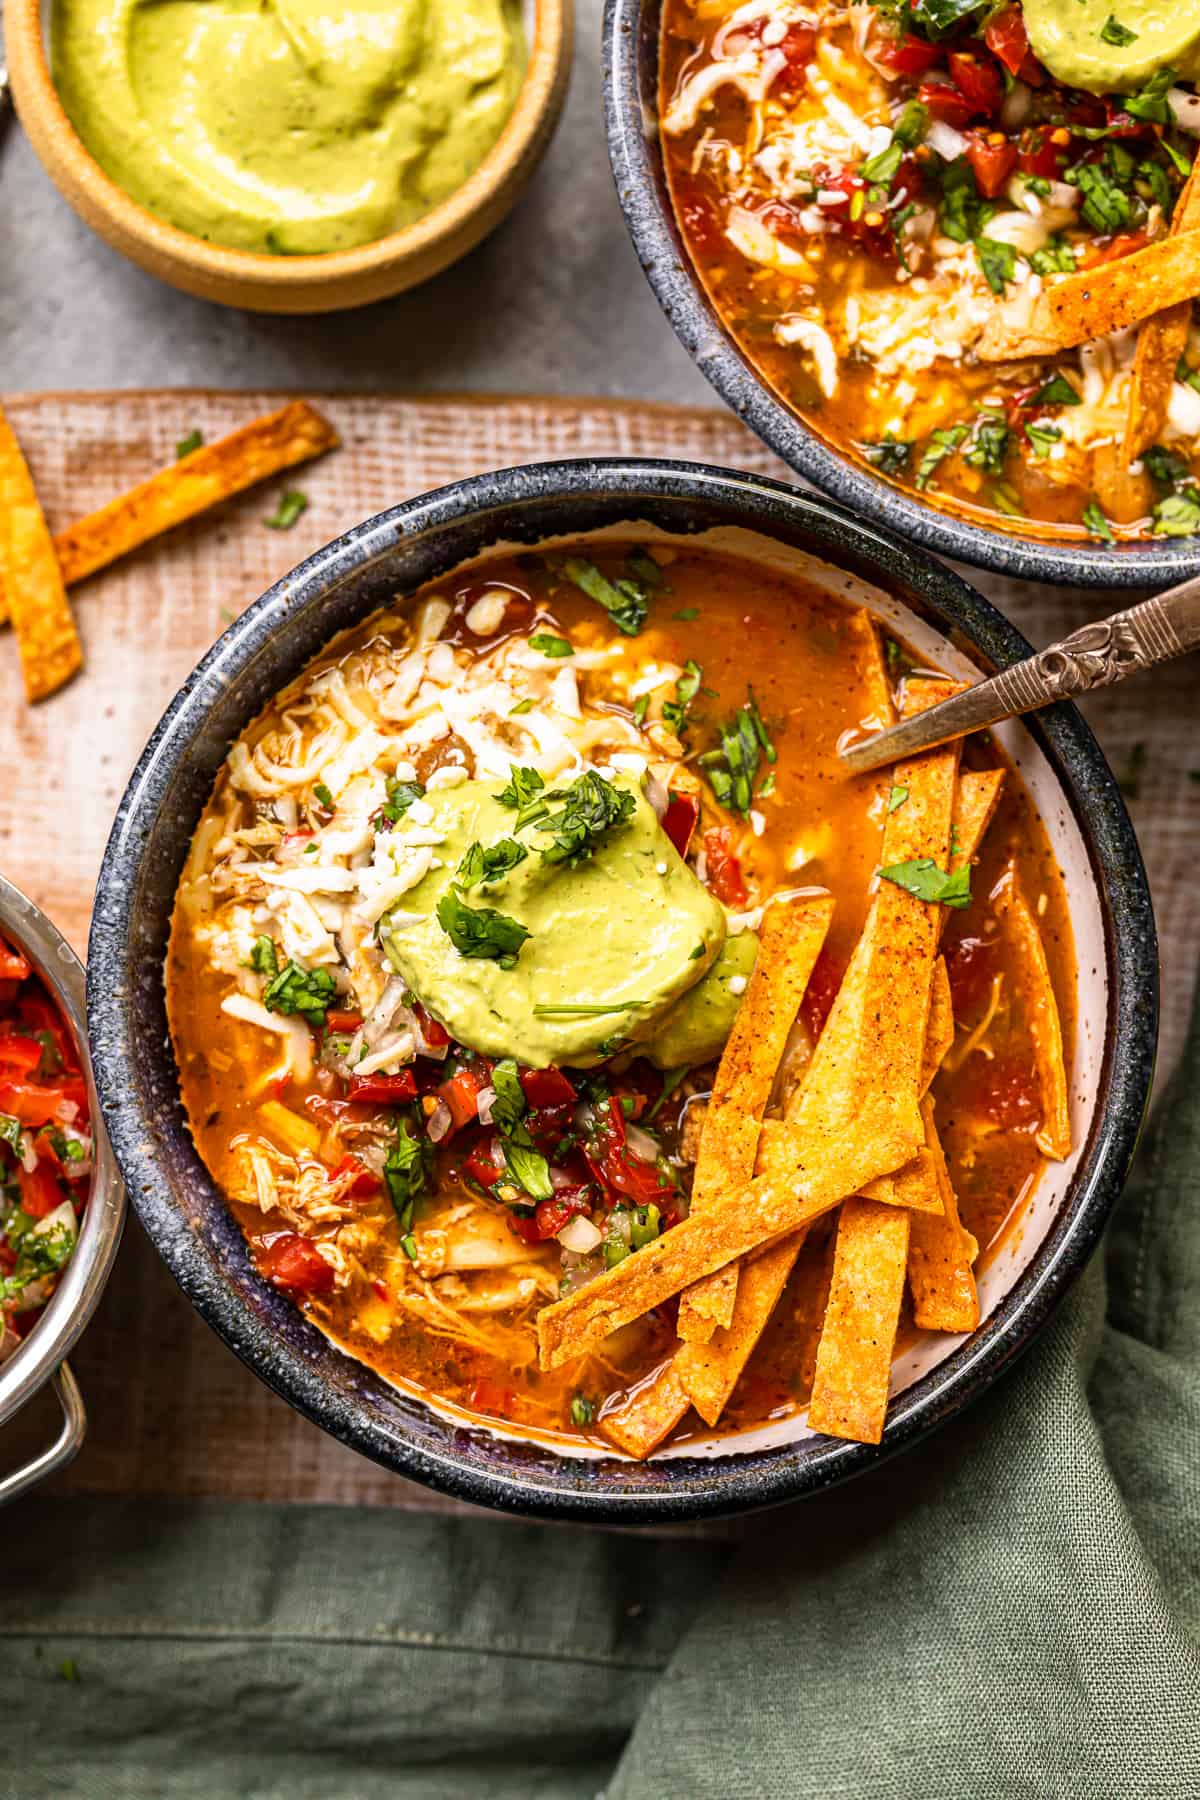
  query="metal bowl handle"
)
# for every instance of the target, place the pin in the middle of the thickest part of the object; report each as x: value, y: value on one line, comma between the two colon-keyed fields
x: 66, y: 1446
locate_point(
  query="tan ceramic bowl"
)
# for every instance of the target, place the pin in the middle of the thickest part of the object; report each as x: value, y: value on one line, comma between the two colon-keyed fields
x: 295, y: 284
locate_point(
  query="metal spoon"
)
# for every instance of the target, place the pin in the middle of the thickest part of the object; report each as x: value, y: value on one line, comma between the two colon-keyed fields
x: 1095, y: 656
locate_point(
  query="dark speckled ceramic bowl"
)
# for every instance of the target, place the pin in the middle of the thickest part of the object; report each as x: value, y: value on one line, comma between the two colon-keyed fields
x: 394, y: 554
x: 631, y: 36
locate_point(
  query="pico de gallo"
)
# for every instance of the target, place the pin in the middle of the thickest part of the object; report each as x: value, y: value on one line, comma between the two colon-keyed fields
x: 45, y: 1146
x: 862, y: 186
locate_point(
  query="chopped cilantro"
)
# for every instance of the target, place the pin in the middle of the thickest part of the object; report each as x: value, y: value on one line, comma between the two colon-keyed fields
x: 731, y: 770
x: 925, y: 881
x: 291, y: 505
x: 548, y: 644
x: 400, y: 796
x: 938, y: 17
x: 1042, y: 438
x: 591, y: 808
x: 479, y: 932
x: 522, y: 706
x: 896, y: 799
x: 529, y: 1169
x: 296, y: 989
x: 1105, y: 206
x: 942, y: 443
x: 1096, y: 522
x: 1055, y: 257
x: 1057, y: 392
x: 264, y: 959
x: 1151, y: 103
x: 671, y: 1081
x: 186, y: 445
x: 988, y: 446
x: 408, y: 1167
x: 524, y: 785
x: 1189, y: 377
x: 324, y: 796
x: 890, y: 455
x: 641, y: 707
x: 482, y: 865
x: 883, y: 165
x: 625, y: 600
x: 675, y: 711
x: 582, y: 1410
x: 687, y: 612
x: 1165, y: 466
x: 10, y: 1131
x: 998, y: 262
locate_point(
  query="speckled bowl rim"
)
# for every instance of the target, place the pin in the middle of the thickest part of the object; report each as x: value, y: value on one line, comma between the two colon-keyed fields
x: 629, y: 58
x: 271, y: 1336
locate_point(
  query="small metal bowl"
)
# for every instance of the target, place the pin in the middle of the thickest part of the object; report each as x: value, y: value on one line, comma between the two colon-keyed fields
x: 41, y: 1358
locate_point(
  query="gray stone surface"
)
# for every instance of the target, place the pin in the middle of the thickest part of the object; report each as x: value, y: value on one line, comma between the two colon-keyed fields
x: 553, y: 302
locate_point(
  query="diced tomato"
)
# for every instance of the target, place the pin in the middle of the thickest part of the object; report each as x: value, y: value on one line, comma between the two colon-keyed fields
x: 18, y: 1056
x: 993, y: 159
x: 34, y: 1104
x: 547, y: 1087
x: 615, y: 1166
x: 461, y: 1094
x: 679, y: 820
x: 723, y: 870
x: 1006, y: 1091
x: 1007, y: 39
x: 971, y: 965
x: 380, y: 1289
x: 1122, y: 125
x: 821, y: 992
x: 567, y: 1204
x: 13, y: 966
x: 699, y: 218
x: 870, y: 229
x: 342, y: 1021
x: 292, y: 1263
x: 1124, y: 244
x: 946, y: 103
x: 1039, y: 154
x: 300, y: 836
x: 365, y: 1181
x: 797, y: 46
x: 490, y: 1397
x: 383, y: 1090
x: 485, y: 1164
x: 37, y: 1014
x: 524, y: 1226
x: 40, y: 1192
x: 432, y: 1030
x: 978, y: 78
x: 911, y: 56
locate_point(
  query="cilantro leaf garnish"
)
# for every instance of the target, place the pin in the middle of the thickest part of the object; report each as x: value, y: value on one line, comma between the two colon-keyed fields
x: 988, y: 447
x: 400, y: 796
x: 731, y: 770
x: 896, y: 799
x: 1165, y: 466
x: 407, y: 1167
x: 291, y: 505
x: 1042, y: 438
x: 1057, y: 392
x: 264, y: 959
x: 942, y: 443
x: 296, y: 989
x: 590, y: 809
x: 1113, y: 32
x: 186, y: 445
x: 524, y: 1162
x: 1105, y: 206
x: 323, y: 795
x: 548, y: 643
x: 925, y: 881
x: 1096, y: 522
x: 480, y: 932
x: 1151, y: 102
x: 484, y: 864
x: 998, y: 262
x: 524, y: 785
x: 889, y: 455
x: 625, y: 600
x: 1054, y: 258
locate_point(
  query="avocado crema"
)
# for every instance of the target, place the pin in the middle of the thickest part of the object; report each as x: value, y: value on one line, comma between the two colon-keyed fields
x: 293, y: 126
x: 1114, y: 46
x: 615, y: 939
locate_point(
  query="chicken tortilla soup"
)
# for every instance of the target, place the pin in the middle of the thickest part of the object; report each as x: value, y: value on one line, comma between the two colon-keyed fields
x: 577, y: 1043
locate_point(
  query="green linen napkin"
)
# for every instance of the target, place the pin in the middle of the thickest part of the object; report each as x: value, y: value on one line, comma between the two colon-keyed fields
x: 1012, y: 1610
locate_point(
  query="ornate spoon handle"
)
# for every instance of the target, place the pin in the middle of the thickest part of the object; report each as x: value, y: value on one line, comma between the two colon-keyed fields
x: 1093, y: 657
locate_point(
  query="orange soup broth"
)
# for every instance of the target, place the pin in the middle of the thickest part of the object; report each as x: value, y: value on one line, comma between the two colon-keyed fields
x: 802, y: 655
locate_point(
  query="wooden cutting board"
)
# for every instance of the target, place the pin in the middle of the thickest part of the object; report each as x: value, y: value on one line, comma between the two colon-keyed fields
x: 172, y: 1411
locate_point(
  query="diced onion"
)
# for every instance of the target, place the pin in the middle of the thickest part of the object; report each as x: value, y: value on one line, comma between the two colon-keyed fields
x: 1186, y: 108
x: 657, y: 795
x: 947, y: 142
x: 484, y: 1101
x: 440, y: 1121
x: 641, y: 1143
x: 580, y: 1235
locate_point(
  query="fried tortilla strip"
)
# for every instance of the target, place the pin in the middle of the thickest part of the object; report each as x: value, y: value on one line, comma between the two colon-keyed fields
x: 646, y: 1415
x: 215, y: 472
x: 863, y: 633
x: 735, y: 1223
x: 31, y: 579
x: 793, y: 931
x: 912, y: 1186
x: 941, y: 1254
x: 1075, y: 309
x: 1162, y: 340
x: 939, y: 1034
x: 854, y: 1357
x: 1045, y: 1026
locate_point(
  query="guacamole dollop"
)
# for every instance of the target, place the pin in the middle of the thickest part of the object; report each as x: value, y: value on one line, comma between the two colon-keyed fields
x: 296, y: 126
x: 1113, y: 46
x: 615, y: 939
x: 695, y: 1029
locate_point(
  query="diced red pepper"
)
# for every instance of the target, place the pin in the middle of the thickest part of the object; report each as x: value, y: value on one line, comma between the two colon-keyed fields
x: 36, y: 1013
x: 432, y: 1030
x: 723, y: 870
x: 1038, y: 154
x: 679, y: 820
x: 615, y: 1166
x: 946, y: 103
x: 384, y: 1090
x: 524, y: 1226
x: 40, y: 1192
x: 991, y: 162
x: 461, y: 1094
x: 13, y: 966
x: 547, y: 1087
x: 821, y: 992
x: 1007, y: 39
x: 486, y: 1163
x: 978, y: 79
x: 911, y: 56
x: 365, y: 1182
x: 18, y: 1056
x: 35, y: 1104
x: 344, y: 1022
x: 293, y: 1264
